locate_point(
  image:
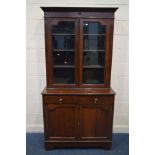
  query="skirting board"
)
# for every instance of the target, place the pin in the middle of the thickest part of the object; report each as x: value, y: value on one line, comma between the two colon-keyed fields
x: 39, y: 128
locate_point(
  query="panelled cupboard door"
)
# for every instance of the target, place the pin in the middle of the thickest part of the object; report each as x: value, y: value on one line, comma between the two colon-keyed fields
x: 61, y: 53
x: 96, y: 122
x: 61, y: 121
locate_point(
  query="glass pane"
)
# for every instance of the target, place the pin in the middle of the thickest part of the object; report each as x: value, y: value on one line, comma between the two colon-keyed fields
x: 93, y: 52
x: 63, y: 52
x: 94, y: 42
x: 63, y: 58
x: 63, y: 75
x: 64, y: 27
x: 63, y: 42
x: 93, y: 75
x: 94, y: 58
x: 93, y: 28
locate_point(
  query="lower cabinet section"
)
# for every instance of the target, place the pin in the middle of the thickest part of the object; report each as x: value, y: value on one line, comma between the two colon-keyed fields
x: 83, y: 122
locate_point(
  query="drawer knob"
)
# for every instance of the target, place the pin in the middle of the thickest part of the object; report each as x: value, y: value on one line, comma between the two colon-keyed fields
x: 95, y: 100
x: 60, y: 100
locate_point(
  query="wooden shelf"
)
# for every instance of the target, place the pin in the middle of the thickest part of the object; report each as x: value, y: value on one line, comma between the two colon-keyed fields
x: 94, y: 34
x: 62, y: 34
x: 63, y: 50
x: 89, y: 50
x: 64, y: 66
x: 93, y: 66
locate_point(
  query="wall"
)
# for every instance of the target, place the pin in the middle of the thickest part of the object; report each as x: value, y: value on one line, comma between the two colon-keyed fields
x: 36, y: 75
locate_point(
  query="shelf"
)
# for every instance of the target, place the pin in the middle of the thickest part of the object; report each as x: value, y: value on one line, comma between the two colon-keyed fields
x: 89, y: 50
x: 63, y: 66
x: 93, y: 66
x: 94, y: 34
x: 63, y: 50
x: 62, y: 34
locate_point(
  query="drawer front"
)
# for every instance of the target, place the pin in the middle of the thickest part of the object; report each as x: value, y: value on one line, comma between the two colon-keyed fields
x: 61, y: 99
x: 96, y: 99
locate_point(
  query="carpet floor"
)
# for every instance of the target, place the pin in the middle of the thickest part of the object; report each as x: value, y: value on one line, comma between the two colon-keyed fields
x: 35, y: 146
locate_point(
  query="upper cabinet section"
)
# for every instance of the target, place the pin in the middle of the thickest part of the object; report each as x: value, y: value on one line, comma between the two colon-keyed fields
x: 78, y: 45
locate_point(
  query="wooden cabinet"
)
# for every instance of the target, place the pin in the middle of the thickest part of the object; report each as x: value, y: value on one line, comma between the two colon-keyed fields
x: 78, y: 102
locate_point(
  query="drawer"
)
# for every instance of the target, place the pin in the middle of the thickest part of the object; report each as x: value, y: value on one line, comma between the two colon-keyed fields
x: 96, y: 99
x: 61, y: 99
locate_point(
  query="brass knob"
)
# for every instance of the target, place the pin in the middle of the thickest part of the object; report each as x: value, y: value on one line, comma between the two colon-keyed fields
x: 95, y: 100
x: 60, y: 100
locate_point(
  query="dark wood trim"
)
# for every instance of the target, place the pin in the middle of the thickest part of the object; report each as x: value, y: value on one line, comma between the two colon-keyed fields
x: 48, y: 54
x: 82, y: 144
x: 81, y: 51
x: 80, y: 15
x: 78, y: 12
x: 107, y: 56
x: 111, y: 48
x: 76, y: 53
x: 79, y: 9
x: 78, y: 91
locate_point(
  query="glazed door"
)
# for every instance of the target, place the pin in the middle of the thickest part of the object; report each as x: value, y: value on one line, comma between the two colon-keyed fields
x: 95, y: 35
x: 61, y: 122
x: 61, y: 52
x: 95, y: 122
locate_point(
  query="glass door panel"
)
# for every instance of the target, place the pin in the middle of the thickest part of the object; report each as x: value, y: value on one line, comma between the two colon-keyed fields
x: 63, y: 52
x: 94, y: 37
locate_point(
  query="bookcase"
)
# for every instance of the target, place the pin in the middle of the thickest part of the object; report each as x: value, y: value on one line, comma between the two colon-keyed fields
x: 78, y: 102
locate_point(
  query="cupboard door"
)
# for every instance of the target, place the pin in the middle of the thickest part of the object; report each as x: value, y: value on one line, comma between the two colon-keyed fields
x: 94, y: 44
x: 62, y: 51
x: 96, y: 122
x: 61, y: 121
